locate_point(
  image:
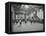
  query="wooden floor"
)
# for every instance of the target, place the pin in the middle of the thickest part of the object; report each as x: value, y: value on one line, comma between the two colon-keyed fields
x: 27, y: 27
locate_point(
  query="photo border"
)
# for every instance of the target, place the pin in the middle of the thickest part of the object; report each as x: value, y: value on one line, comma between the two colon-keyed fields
x: 8, y: 17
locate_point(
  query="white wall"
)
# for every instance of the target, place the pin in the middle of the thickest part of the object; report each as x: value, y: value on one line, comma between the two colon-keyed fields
x: 2, y: 18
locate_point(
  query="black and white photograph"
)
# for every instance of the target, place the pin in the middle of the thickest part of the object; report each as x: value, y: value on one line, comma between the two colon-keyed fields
x: 26, y: 17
